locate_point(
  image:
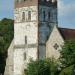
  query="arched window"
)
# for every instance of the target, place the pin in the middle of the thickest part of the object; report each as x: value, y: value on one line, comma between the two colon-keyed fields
x: 23, y: 16
x: 44, y: 15
x: 49, y: 15
x: 29, y: 15
x: 43, y: 0
x: 25, y: 56
x: 25, y: 39
x: 17, y: 1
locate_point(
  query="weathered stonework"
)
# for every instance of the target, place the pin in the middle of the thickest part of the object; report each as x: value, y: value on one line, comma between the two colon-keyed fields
x: 54, y: 38
x: 46, y: 25
x: 9, y: 62
x: 28, y: 28
x: 32, y: 37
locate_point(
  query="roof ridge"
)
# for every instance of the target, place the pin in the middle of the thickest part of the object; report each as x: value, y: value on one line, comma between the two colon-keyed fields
x: 66, y: 28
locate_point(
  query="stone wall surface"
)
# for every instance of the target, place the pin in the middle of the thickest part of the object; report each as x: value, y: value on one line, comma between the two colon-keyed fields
x: 25, y: 37
x: 55, y: 38
x: 47, y: 20
x: 31, y: 35
x: 18, y: 13
x: 9, y: 61
x: 49, y: 12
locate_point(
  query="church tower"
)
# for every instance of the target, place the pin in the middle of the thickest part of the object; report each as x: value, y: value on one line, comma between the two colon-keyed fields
x: 34, y: 20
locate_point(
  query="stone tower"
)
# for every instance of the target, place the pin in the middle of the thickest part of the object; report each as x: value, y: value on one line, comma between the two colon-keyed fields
x: 34, y: 20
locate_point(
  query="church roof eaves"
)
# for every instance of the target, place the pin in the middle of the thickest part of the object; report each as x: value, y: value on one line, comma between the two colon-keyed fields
x: 67, y: 34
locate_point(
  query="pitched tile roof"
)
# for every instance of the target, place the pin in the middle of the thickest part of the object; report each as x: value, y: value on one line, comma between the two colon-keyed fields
x: 67, y: 34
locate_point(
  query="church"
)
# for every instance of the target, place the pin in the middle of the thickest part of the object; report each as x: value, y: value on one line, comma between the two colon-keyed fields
x: 36, y: 34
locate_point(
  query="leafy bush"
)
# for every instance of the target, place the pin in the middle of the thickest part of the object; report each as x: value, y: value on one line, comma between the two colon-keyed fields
x: 67, y: 71
x: 68, y: 53
x: 6, y: 36
x: 42, y: 67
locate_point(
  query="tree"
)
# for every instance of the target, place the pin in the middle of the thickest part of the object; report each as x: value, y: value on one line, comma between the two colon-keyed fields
x: 6, y: 36
x: 42, y: 67
x: 67, y: 71
x: 68, y: 53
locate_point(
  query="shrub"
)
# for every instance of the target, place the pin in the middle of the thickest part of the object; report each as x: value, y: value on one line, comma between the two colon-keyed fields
x: 67, y: 71
x: 42, y: 67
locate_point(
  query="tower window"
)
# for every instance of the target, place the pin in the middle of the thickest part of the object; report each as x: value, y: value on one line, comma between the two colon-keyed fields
x: 25, y: 39
x: 25, y: 56
x: 29, y: 15
x: 17, y: 1
x: 23, y: 16
x: 24, y: 0
x: 44, y: 15
x: 43, y: 0
x: 48, y: 15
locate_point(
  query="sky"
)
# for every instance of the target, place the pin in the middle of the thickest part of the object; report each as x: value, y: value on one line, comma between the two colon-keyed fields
x: 66, y: 12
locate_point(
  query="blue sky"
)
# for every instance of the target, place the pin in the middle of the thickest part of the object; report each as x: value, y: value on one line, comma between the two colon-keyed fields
x: 66, y: 12
x: 6, y: 8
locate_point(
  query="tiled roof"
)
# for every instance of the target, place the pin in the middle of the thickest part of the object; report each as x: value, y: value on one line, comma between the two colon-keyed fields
x: 67, y: 34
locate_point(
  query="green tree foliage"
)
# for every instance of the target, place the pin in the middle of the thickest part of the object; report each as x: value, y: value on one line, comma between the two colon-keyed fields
x: 6, y: 36
x: 67, y: 71
x: 68, y: 53
x: 42, y: 67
